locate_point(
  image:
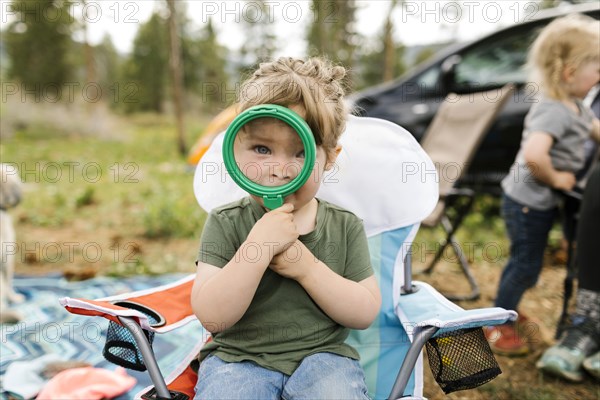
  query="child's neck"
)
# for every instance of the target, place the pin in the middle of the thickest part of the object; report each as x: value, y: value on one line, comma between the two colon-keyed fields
x: 306, y: 217
x: 571, y: 104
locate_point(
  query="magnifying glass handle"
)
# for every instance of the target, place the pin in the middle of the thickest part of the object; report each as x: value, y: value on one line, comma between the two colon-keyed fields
x: 273, y: 202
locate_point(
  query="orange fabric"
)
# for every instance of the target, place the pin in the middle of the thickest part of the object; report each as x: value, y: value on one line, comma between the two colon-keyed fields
x: 96, y: 313
x: 214, y: 127
x: 92, y: 313
x: 185, y: 382
x: 173, y: 304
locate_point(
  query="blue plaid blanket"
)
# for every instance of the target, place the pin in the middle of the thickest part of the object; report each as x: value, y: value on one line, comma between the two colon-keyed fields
x: 49, y: 329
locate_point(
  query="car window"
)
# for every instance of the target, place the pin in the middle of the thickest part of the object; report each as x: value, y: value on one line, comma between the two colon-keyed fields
x: 428, y: 80
x: 495, y: 63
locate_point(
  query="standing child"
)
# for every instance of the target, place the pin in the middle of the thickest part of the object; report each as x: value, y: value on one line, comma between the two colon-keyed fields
x: 565, y: 58
x: 280, y: 289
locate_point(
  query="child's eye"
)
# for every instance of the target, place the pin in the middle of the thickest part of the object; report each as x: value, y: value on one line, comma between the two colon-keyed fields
x: 261, y: 149
x: 300, y: 154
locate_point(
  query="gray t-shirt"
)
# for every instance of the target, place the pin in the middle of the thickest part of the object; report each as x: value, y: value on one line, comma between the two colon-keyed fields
x: 569, y: 132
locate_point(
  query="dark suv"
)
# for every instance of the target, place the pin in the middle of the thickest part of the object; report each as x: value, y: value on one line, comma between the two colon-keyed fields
x: 487, y: 63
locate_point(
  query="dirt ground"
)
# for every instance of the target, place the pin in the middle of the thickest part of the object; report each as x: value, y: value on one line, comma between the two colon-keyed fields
x: 519, y: 378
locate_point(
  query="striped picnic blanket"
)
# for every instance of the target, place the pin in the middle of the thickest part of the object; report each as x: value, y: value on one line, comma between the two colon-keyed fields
x: 48, y: 328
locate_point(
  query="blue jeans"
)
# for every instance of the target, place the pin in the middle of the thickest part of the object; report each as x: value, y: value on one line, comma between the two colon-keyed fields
x: 319, y: 376
x: 528, y: 231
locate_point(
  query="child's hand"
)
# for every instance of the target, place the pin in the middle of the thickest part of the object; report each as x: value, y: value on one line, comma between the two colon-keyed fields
x: 564, y: 180
x: 293, y: 262
x: 276, y: 230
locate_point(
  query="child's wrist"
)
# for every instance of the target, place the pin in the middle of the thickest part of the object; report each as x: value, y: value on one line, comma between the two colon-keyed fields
x: 553, y: 180
x: 255, y: 253
x: 310, y: 270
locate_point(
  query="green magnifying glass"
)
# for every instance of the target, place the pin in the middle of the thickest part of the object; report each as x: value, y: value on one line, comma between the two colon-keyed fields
x: 272, y: 195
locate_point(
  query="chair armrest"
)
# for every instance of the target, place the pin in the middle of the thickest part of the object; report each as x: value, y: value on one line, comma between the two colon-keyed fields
x: 427, y: 307
x: 458, y: 351
x: 170, y: 302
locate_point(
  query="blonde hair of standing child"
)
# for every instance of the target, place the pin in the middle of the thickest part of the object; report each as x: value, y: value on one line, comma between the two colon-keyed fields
x: 566, y: 42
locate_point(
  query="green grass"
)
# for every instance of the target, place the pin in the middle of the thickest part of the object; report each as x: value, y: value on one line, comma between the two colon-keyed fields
x: 131, y: 185
x: 482, y: 235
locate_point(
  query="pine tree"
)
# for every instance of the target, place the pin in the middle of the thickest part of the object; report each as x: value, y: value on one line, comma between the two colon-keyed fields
x: 192, y: 58
x: 390, y: 57
x: 212, y: 69
x: 332, y: 32
x: 108, y: 66
x: 146, y: 70
x: 257, y: 24
x: 204, y: 67
x: 176, y: 72
x: 38, y: 43
x: 383, y: 61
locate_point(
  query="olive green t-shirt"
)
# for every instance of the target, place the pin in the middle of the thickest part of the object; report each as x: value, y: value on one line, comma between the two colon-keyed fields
x: 283, y: 324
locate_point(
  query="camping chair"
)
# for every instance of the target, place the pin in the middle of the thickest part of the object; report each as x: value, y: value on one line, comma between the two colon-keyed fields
x: 411, y: 315
x: 451, y: 141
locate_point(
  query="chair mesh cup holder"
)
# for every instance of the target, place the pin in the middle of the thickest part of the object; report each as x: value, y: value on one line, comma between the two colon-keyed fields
x: 461, y: 360
x: 121, y: 348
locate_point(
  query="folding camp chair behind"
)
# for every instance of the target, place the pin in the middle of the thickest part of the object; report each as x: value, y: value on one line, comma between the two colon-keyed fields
x: 451, y: 141
x: 391, y: 206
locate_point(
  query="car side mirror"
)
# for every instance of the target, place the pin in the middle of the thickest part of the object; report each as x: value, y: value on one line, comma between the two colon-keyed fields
x: 448, y: 72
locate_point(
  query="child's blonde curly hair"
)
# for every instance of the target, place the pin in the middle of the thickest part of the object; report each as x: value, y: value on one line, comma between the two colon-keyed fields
x: 315, y: 84
x: 566, y: 42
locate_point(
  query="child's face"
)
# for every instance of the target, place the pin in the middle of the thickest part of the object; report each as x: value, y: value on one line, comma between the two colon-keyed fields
x: 270, y: 152
x: 582, y: 79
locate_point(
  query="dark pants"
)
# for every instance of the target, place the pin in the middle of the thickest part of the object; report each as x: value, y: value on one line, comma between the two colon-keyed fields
x: 588, y: 232
x: 528, y: 231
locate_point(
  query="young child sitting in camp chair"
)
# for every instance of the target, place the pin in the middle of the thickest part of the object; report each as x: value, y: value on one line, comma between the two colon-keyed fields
x: 412, y: 314
x: 278, y: 302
